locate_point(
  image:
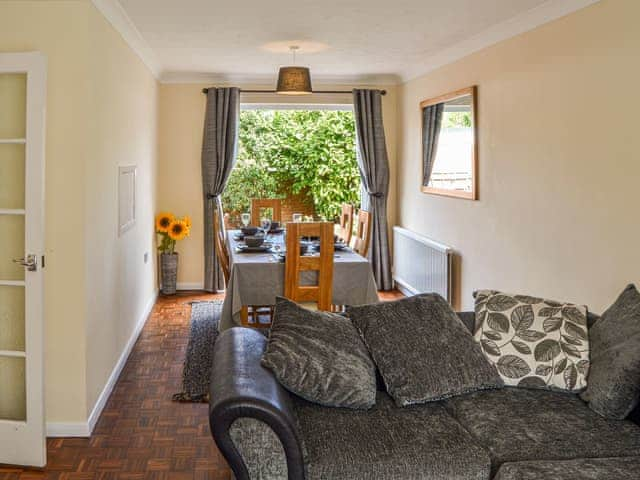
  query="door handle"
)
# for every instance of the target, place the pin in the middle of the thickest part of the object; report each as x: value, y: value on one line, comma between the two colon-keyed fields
x: 30, y: 262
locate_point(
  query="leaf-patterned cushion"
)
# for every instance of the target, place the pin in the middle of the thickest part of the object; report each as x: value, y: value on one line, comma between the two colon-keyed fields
x: 614, y: 379
x: 534, y: 343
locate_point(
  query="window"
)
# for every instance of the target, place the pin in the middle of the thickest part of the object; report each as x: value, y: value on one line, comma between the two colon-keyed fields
x: 303, y: 155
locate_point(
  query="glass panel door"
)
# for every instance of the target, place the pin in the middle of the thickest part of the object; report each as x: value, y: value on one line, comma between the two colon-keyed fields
x: 13, y: 107
x: 22, y: 115
x: 13, y: 98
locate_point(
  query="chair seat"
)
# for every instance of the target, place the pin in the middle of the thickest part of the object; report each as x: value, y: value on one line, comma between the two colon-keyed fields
x: 516, y: 424
x: 387, y: 442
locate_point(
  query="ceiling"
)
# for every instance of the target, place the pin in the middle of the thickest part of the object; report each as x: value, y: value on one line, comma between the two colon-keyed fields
x: 340, y: 40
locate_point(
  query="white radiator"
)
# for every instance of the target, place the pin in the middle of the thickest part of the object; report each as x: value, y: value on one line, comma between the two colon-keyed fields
x: 421, y: 265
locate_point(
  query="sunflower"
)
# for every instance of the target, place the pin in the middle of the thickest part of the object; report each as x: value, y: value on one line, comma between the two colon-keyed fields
x: 178, y: 230
x: 163, y: 221
x: 187, y: 221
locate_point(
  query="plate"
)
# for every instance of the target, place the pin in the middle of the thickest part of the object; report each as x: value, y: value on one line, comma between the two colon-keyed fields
x: 337, y: 247
x: 238, y: 237
x: 243, y: 248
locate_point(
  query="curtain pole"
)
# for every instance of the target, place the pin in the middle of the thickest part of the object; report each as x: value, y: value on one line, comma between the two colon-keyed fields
x: 382, y: 92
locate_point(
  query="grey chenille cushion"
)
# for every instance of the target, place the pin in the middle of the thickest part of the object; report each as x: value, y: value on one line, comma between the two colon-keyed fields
x: 422, y: 349
x: 613, y: 386
x: 421, y: 442
x: 320, y: 357
x: 624, y: 468
x: 516, y: 424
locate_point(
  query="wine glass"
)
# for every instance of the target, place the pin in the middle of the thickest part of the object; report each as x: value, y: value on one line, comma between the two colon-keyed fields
x: 266, y: 226
x: 245, y: 217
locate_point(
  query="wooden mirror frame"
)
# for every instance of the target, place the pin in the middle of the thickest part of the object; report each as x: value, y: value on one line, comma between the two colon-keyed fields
x: 473, y: 194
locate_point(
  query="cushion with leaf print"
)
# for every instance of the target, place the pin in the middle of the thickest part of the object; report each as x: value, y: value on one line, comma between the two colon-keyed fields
x: 534, y: 343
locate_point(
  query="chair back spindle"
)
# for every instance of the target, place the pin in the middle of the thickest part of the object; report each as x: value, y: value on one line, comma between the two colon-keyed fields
x: 345, y: 229
x: 362, y: 237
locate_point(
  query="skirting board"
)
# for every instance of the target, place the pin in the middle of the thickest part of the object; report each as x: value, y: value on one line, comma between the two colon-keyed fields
x: 84, y: 429
x: 190, y: 286
x: 405, y: 289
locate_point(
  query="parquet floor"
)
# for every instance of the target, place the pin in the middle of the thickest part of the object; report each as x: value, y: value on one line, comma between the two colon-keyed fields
x: 142, y: 434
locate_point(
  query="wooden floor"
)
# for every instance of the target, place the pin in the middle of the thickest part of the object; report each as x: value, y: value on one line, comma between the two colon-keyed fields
x: 141, y: 433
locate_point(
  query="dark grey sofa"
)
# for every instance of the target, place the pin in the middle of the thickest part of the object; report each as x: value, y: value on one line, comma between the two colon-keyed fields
x: 265, y: 432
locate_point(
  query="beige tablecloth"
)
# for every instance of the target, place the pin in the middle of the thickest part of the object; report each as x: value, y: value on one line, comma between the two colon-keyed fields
x: 257, y: 278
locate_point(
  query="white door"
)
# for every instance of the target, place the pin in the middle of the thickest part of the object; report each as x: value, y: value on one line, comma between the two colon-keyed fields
x: 22, y: 114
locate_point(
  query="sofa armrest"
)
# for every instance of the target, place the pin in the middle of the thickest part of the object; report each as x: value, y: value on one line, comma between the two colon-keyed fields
x: 242, y: 388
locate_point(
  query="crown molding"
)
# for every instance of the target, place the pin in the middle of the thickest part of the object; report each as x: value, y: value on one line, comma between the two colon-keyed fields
x: 544, y: 13
x: 524, y: 22
x: 270, y: 79
x: 118, y: 18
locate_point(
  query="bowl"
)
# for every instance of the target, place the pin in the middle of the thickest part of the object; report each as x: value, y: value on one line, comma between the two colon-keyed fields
x: 249, y: 230
x: 254, y: 240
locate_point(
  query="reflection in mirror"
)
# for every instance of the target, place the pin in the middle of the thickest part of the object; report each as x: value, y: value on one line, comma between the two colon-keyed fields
x: 449, y: 144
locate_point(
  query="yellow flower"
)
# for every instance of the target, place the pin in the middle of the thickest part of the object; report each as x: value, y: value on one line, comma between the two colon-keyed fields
x: 163, y: 221
x: 187, y: 221
x: 177, y: 230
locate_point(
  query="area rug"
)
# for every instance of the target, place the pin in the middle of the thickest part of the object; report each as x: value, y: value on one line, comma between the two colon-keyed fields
x: 203, y: 331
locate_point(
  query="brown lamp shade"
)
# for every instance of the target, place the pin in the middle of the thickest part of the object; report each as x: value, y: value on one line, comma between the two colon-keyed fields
x: 294, y: 81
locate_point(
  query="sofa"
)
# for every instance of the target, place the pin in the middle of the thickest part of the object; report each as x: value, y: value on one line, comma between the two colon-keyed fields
x: 265, y: 432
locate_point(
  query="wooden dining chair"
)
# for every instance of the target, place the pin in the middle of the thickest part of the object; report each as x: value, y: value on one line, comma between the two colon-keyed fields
x: 345, y: 228
x: 221, y: 247
x: 362, y: 237
x: 295, y: 263
x: 250, y: 315
x: 260, y: 204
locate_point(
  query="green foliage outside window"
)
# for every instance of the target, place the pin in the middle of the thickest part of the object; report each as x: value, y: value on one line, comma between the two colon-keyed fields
x: 295, y: 151
x: 457, y: 120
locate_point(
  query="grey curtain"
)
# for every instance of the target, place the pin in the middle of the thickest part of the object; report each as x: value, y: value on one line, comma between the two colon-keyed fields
x: 431, y: 123
x: 374, y: 171
x: 219, y: 145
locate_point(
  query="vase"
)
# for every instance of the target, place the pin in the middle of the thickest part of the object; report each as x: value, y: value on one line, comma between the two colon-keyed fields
x: 168, y: 273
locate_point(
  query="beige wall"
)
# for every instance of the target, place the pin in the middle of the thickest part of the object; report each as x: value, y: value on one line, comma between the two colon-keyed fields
x: 101, y: 112
x: 559, y: 162
x: 59, y: 30
x: 122, y: 131
x: 180, y: 140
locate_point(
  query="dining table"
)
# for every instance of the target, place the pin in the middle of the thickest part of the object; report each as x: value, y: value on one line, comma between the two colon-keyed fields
x: 258, y: 278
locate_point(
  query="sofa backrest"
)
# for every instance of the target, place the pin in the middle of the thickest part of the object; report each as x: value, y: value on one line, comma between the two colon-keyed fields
x: 469, y: 319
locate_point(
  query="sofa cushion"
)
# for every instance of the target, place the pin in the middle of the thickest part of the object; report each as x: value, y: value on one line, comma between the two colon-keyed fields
x: 320, y: 357
x: 422, y: 349
x: 614, y: 378
x: 519, y: 424
x: 535, y: 343
x: 387, y: 442
x: 622, y: 468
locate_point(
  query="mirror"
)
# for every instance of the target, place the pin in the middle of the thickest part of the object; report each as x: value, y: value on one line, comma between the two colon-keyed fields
x: 449, y: 152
